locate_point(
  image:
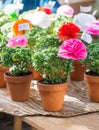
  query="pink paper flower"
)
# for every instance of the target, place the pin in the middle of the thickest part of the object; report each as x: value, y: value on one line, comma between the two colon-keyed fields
x: 92, y: 28
x: 72, y: 49
x: 65, y: 10
x: 17, y: 41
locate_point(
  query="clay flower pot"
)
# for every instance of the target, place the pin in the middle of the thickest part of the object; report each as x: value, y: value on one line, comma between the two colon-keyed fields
x: 35, y: 75
x: 78, y: 73
x: 92, y: 82
x: 52, y: 95
x: 18, y: 87
x: 2, y: 71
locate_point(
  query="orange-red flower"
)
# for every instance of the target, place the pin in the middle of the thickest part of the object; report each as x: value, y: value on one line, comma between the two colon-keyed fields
x: 68, y: 30
x: 17, y: 30
x: 46, y: 10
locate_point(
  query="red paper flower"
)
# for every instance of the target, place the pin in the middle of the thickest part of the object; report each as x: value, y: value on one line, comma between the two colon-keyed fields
x: 68, y: 30
x: 46, y: 10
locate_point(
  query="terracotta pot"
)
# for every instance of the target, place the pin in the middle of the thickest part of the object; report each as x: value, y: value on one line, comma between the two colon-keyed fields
x: 18, y: 87
x: 36, y: 75
x: 2, y: 71
x: 52, y: 96
x: 78, y: 73
x: 92, y: 82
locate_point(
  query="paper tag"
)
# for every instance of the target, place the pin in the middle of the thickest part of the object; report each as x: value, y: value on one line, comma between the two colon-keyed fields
x: 85, y: 9
x: 23, y: 26
x: 94, y: 13
x: 86, y: 37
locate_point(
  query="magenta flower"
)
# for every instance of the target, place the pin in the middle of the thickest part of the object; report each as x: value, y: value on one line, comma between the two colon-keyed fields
x: 73, y: 49
x: 92, y: 28
x: 17, y: 41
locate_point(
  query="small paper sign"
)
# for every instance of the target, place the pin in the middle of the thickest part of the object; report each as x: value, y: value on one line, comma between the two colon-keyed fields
x: 86, y: 37
x: 85, y: 9
x: 23, y: 26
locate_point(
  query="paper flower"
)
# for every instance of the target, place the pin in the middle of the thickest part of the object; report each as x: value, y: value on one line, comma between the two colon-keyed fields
x: 41, y: 19
x: 21, y: 26
x: 44, y: 9
x: 17, y: 41
x: 92, y: 28
x: 68, y: 30
x: 10, y: 8
x: 72, y: 49
x: 81, y: 19
x: 28, y: 16
x: 65, y: 10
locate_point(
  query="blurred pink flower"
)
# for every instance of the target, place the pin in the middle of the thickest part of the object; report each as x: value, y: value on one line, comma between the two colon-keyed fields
x: 73, y: 49
x: 92, y: 28
x: 17, y: 41
x: 65, y: 10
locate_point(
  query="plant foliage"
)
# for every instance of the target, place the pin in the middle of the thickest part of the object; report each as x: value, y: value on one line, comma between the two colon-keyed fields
x: 92, y: 60
x: 54, y: 68
x: 18, y: 58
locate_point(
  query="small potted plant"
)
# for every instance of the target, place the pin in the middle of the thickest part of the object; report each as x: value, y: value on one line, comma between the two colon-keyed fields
x: 91, y: 77
x: 17, y: 56
x: 55, y: 65
x: 67, y: 31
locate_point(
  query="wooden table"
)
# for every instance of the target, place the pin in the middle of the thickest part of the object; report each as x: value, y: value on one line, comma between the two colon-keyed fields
x: 83, y: 122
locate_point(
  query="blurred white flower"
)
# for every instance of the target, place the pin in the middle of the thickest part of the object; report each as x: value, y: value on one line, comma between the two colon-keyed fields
x: 10, y: 8
x: 28, y: 16
x: 39, y: 18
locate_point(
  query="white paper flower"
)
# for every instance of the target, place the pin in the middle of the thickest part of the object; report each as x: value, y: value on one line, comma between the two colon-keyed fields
x: 41, y: 19
x: 81, y: 19
x: 28, y: 16
x: 10, y: 8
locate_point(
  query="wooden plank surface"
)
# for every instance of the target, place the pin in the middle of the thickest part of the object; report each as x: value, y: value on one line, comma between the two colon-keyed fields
x: 83, y: 122
x: 77, y: 95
